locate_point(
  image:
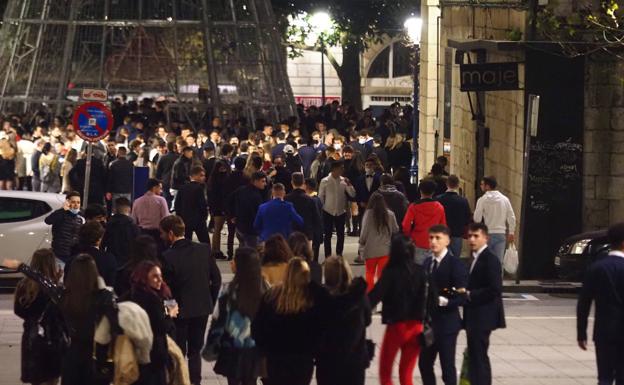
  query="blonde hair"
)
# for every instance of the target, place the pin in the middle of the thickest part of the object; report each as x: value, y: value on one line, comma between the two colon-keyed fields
x: 7, y: 151
x: 293, y: 296
x: 398, y: 140
x: 338, y: 275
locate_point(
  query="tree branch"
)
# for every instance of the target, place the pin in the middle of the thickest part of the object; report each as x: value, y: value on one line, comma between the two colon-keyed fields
x: 333, y: 62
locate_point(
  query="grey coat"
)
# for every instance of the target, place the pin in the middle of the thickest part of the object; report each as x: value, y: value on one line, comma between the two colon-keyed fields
x: 372, y: 242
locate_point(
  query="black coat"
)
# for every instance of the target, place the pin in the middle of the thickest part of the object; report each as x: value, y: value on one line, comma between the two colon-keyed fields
x: 604, y: 283
x: 283, y: 176
x: 181, y: 172
x: 233, y: 182
x: 307, y: 155
x: 193, y: 276
x: 121, y: 176
x: 105, y: 262
x: 457, y: 211
x: 164, y: 168
x: 402, y: 292
x: 244, y: 206
x: 484, y: 308
x: 400, y: 156
x: 395, y: 200
x: 190, y: 204
x: 451, y: 273
x: 97, y: 182
x: 120, y: 232
x: 382, y: 154
x: 306, y: 208
x: 65, y: 227
x: 362, y: 193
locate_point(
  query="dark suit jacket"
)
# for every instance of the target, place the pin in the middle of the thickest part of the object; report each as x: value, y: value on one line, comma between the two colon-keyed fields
x: 604, y: 283
x: 450, y: 273
x: 306, y: 208
x: 193, y: 276
x: 307, y: 155
x: 190, y: 204
x: 484, y: 308
x: 97, y: 180
x: 457, y: 212
x: 362, y: 193
x: 164, y: 167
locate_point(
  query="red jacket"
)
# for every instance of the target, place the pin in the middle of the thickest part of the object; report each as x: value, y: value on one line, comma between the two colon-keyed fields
x: 420, y: 216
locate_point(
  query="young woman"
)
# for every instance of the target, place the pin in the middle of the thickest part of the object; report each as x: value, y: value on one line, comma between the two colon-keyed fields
x: 217, y: 202
x: 288, y: 326
x: 50, y: 169
x: 41, y: 361
x: 300, y: 246
x: 401, y: 290
x: 275, y: 259
x: 378, y: 225
x: 238, y: 358
x: 83, y: 302
x: 68, y: 164
x: 7, y: 165
x: 150, y: 292
x: 343, y: 356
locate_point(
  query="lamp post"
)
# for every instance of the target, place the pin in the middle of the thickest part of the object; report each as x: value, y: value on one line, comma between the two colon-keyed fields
x: 322, y: 25
x: 413, y: 27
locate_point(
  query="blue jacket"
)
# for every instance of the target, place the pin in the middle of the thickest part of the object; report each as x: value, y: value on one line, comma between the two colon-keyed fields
x: 276, y: 217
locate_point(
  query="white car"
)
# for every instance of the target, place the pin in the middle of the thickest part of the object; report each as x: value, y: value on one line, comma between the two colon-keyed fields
x: 22, y: 226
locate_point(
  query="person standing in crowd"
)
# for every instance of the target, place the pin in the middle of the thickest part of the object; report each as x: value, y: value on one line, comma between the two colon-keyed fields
x: 378, y: 226
x: 288, y: 326
x: 420, y: 216
x: 89, y: 242
x: 604, y: 284
x: 217, y: 200
x: 275, y: 257
x: 343, y: 355
x: 68, y: 164
x: 41, y: 362
x: 83, y: 304
x: 317, y: 238
x: 65, y: 224
x: 401, y: 290
x: 447, y: 278
x: 195, y: 280
x: 365, y: 186
x: 181, y: 172
x: 280, y: 173
x: 7, y: 165
x: 50, y: 170
x: 190, y: 204
x: 142, y: 248
x: 238, y: 357
x: 111, y: 152
x: 457, y: 212
x: 120, y: 231
x: 150, y: 209
x: 305, y: 206
x: 437, y: 175
x: 276, y: 216
x: 164, y: 168
x: 120, y: 177
x: 395, y: 200
x: 245, y: 204
x: 399, y: 152
x: 150, y: 292
x: 235, y: 180
x: 494, y: 209
x: 300, y: 246
x: 483, y: 310
x: 97, y: 181
x: 34, y: 161
x: 333, y: 192
x: 307, y: 154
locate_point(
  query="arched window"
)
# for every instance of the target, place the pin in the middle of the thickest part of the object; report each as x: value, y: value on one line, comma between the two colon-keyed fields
x: 392, y: 62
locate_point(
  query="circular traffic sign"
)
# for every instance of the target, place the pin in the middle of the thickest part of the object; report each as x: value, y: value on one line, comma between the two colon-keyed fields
x: 92, y: 121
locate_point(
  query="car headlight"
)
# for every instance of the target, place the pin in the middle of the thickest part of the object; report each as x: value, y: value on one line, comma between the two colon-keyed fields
x: 579, y: 247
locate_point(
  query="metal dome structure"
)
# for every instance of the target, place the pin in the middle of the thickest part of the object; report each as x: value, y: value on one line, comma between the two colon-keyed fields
x: 215, y: 56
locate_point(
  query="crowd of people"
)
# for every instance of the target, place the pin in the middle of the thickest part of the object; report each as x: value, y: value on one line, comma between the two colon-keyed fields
x: 281, y: 191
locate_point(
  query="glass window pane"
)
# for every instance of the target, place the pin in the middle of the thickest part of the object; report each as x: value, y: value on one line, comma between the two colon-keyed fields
x: 380, y: 66
x: 401, y: 60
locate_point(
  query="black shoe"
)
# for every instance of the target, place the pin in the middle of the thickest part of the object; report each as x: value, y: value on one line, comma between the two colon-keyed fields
x: 220, y: 255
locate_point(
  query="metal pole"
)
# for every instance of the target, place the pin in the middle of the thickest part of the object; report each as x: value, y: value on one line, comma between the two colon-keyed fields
x: 415, y: 117
x: 322, y: 72
x: 85, y: 195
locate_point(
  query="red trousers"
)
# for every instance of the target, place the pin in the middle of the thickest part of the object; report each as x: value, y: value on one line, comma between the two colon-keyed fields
x: 404, y: 336
x: 374, y: 267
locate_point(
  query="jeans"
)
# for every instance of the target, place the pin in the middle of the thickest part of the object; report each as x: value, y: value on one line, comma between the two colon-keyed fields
x: 421, y: 255
x: 330, y: 222
x: 496, y: 243
x: 190, y: 338
x: 456, y: 246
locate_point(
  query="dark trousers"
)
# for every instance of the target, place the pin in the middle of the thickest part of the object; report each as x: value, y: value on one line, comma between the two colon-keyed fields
x: 610, y: 362
x: 200, y: 230
x: 339, y: 373
x: 479, y: 368
x: 190, y: 338
x: 444, y: 346
x: 289, y: 370
x: 167, y: 195
x: 330, y: 222
x: 230, y: 239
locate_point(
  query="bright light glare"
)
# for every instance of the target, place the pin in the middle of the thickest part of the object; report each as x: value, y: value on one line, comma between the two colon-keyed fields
x: 413, y: 26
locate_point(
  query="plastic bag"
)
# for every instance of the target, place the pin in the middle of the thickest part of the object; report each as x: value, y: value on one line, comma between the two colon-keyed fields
x: 463, y: 378
x: 510, y: 260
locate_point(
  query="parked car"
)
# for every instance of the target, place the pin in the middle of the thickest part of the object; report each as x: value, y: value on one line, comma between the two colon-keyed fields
x: 22, y: 226
x: 578, y: 252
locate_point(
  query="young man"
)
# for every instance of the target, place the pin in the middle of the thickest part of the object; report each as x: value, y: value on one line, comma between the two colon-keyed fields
x: 244, y: 207
x: 603, y: 284
x: 65, y: 224
x: 276, y: 216
x: 333, y: 192
x: 495, y: 210
x: 483, y: 310
x: 317, y: 239
x: 120, y: 178
x: 420, y: 216
x: 195, y: 280
x: 190, y: 204
x: 457, y: 211
x: 445, y: 272
x: 305, y: 207
x: 150, y: 209
x: 120, y: 231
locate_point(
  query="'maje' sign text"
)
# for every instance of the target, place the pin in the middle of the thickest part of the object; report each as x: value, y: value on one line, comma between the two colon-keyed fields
x: 489, y: 76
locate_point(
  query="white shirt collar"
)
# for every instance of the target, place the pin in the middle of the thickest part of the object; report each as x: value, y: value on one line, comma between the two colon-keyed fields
x: 441, y: 257
x: 617, y: 253
x: 478, y: 252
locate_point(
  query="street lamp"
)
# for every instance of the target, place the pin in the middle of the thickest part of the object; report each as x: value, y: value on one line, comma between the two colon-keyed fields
x: 322, y: 25
x: 413, y: 28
